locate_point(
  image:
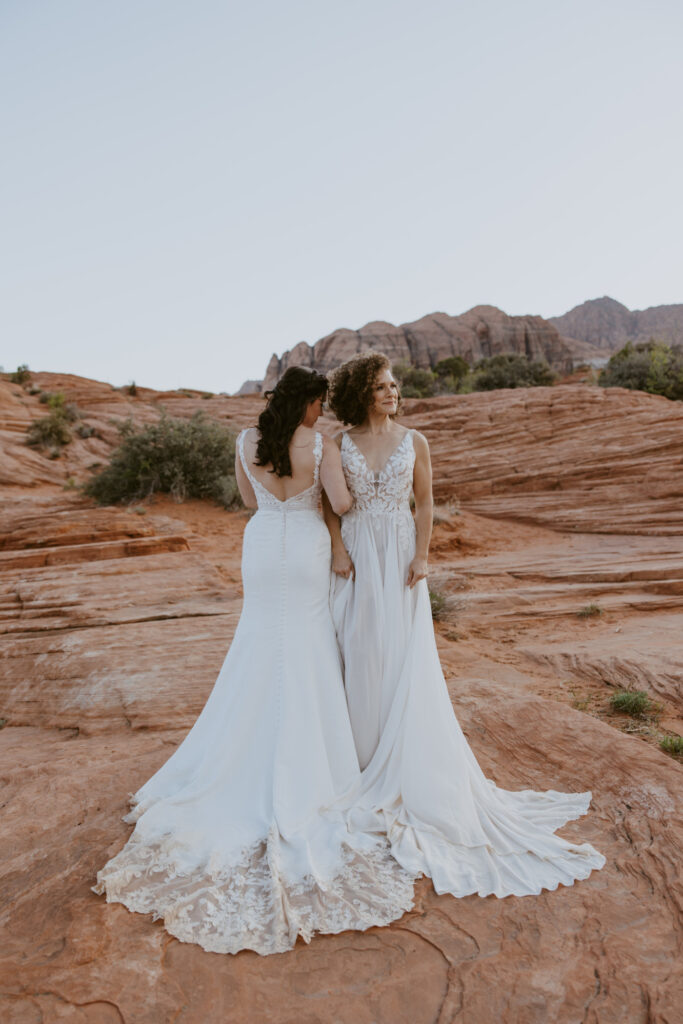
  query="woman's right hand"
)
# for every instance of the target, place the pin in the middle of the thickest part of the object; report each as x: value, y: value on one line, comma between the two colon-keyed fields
x: 342, y: 564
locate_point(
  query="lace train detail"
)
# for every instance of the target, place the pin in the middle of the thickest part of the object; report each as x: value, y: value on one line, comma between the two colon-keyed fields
x: 248, y: 903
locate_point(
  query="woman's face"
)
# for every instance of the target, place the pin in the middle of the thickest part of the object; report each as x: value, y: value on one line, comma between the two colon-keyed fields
x: 313, y: 411
x: 385, y: 394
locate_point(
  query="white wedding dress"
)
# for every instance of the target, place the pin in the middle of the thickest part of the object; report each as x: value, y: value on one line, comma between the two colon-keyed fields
x: 421, y: 784
x: 233, y: 847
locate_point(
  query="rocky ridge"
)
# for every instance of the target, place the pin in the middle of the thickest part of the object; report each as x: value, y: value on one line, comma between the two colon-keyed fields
x: 481, y: 332
x: 607, y: 324
x: 588, y: 333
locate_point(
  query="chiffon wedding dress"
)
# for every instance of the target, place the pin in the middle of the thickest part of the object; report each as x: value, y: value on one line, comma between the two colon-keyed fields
x: 421, y: 784
x: 234, y: 844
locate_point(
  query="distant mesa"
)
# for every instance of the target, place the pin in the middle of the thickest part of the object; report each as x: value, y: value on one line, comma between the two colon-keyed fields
x: 586, y: 334
x: 608, y: 325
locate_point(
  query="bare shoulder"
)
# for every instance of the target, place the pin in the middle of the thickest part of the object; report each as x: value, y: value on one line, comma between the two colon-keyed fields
x: 420, y: 442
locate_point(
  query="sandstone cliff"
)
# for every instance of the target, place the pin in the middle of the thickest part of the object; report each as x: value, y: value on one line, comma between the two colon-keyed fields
x: 481, y: 332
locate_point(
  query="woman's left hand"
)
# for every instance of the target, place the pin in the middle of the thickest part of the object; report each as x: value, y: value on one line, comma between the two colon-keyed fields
x: 417, y: 571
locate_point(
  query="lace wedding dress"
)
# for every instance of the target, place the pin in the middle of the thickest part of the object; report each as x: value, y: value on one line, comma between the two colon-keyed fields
x: 233, y: 847
x: 421, y: 784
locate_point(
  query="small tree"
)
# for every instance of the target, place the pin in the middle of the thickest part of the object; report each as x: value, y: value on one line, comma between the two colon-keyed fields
x: 454, y: 366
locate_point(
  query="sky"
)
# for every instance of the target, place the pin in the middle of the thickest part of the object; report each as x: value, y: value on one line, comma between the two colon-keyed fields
x: 188, y: 187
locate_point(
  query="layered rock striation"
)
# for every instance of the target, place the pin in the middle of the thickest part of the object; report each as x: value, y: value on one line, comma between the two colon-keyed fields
x: 114, y: 623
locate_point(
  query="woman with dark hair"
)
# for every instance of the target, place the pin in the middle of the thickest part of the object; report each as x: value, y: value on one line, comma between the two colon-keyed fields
x: 420, y: 782
x: 235, y: 845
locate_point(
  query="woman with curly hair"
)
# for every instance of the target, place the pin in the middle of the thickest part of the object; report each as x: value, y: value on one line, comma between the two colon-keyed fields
x: 235, y: 845
x: 420, y: 782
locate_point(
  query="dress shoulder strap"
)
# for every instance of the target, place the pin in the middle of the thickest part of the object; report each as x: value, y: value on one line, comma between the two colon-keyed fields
x: 243, y: 458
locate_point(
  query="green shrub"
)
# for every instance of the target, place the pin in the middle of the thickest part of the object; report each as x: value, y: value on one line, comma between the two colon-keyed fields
x: 60, y: 407
x: 630, y: 702
x: 589, y: 611
x: 21, y: 375
x: 132, y: 389
x: 53, y: 431
x: 49, y: 432
x: 414, y: 382
x: 651, y: 366
x: 437, y: 603
x: 509, y: 370
x: 672, y: 744
x: 185, y: 458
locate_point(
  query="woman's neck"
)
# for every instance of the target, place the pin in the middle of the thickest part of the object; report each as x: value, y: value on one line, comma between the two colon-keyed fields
x: 377, y: 423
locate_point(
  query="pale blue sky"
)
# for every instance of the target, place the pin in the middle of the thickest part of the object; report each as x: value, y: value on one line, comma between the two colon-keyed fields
x: 187, y: 187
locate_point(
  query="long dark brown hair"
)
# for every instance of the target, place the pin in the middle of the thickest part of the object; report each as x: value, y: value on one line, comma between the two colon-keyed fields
x: 286, y: 408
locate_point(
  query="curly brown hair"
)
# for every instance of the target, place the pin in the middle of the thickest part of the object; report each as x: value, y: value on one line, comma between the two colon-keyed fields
x: 352, y: 385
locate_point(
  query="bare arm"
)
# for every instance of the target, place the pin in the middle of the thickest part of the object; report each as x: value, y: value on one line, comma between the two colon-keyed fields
x: 424, y: 509
x: 332, y: 478
x: 341, y: 561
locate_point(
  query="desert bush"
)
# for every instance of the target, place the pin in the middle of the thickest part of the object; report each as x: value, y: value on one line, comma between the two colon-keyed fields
x: 132, y: 389
x: 437, y: 603
x: 185, y: 458
x: 53, y: 431
x: 630, y: 702
x: 21, y: 375
x: 509, y: 370
x: 49, y: 432
x: 57, y: 403
x: 651, y: 366
x: 672, y: 744
x: 415, y: 383
x: 589, y: 611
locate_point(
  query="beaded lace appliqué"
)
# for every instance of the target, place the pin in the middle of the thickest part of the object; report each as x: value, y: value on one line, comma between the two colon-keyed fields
x: 244, y: 902
x: 385, y: 493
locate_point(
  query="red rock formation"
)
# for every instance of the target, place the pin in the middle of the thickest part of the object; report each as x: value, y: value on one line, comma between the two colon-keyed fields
x: 608, y: 325
x: 481, y: 332
x: 114, y: 624
x: 603, y: 460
